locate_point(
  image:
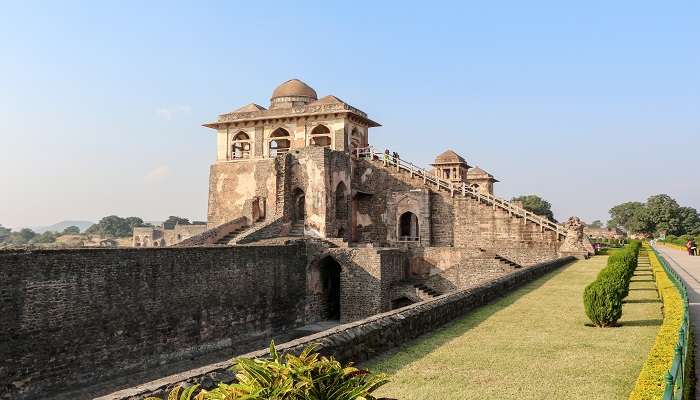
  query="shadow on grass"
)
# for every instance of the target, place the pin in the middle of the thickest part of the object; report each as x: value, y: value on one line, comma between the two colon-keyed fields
x: 642, y: 301
x: 644, y: 289
x: 642, y: 322
x: 446, y: 333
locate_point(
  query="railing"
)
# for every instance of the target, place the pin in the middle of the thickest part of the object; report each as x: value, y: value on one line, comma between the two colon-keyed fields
x: 459, y: 188
x: 675, y: 377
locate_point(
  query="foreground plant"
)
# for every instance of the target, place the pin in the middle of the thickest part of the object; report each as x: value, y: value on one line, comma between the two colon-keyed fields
x: 308, y: 376
x: 602, y: 299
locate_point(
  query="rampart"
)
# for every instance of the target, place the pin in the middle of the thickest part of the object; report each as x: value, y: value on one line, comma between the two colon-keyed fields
x: 363, y: 339
x: 71, y: 318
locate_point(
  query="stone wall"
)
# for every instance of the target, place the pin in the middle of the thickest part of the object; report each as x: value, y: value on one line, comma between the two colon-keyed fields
x: 364, y: 339
x: 241, y: 189
x: 71, y: 318
x: 211, y: 236
x: 366, y: 278
x: 454, y: 221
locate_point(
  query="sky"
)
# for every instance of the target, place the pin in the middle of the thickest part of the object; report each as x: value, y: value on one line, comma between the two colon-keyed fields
x: 587, y: 105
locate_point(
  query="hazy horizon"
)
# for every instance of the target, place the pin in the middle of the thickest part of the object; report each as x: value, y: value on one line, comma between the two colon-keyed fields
x: 586, y: 105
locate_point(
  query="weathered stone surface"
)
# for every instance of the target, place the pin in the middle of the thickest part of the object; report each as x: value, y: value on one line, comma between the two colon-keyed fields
x: 576, y: 243
x: 363, y: 339
x: 76, y: 317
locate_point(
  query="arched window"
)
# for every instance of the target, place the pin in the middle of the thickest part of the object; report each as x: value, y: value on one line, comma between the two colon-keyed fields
x: 341, y: 203
x: 137, y: 241
x: 240, y: 146
x: 408, y: 227
x: 280, y: 141
x: 321, y: 136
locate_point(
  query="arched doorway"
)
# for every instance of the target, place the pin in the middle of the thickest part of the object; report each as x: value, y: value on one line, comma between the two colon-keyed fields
x: 330, y: 288
x: 299, y: 212
x: 408, y: 227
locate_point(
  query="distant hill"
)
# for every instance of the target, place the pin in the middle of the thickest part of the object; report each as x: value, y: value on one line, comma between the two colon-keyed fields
x: 60, y: 226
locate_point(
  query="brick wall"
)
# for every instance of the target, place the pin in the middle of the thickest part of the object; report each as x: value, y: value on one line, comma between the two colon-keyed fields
x: 75, y: 317
x: 363, y: 339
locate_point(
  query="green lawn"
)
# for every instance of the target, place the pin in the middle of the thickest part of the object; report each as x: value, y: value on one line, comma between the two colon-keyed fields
x: 531, y: 344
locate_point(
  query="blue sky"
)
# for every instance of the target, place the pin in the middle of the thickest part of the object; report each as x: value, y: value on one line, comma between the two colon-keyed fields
x: 588, y: 104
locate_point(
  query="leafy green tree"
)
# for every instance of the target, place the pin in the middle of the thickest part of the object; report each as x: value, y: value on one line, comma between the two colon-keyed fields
x: 4, y: 233
x: 662, y: 213
x: 621, y: 214
x: 46, y: 237
x: 71, y: 230
x: 25, y: 235
x: 174, y: 220
x: 115, y: 226
x: 596, y: 224
x: 537, y: 205
x: 689, y: 220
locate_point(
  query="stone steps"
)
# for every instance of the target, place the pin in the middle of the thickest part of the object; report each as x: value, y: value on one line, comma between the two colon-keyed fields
x: 227, y: 238
x: 427, y: 291
x: 399, y: 171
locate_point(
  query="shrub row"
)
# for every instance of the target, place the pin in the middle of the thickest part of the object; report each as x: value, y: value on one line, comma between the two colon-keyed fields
x: 650, y: 383
x: 602, y: 299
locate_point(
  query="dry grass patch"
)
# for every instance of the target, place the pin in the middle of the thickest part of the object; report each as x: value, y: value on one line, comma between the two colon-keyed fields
x: 532, y: 344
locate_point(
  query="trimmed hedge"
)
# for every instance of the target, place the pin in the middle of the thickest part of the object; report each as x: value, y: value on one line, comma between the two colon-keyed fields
x: 651, y: 383
x: 602, y: 299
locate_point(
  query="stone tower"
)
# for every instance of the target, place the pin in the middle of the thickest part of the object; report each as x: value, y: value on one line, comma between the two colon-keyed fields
x: 288, y: 163
x: 450, y: 166
x: 479, y: 179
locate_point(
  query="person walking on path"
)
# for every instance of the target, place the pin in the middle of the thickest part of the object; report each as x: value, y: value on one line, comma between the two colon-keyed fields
x: 688, y: 246
x: 693, y: 247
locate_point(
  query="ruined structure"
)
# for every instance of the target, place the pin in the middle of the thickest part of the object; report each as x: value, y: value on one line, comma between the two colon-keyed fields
x: 306, y: 223
x: 165, y: 235
x: 304, y: 167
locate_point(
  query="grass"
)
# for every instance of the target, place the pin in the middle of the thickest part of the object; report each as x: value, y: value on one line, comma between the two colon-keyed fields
x: 531, y: 344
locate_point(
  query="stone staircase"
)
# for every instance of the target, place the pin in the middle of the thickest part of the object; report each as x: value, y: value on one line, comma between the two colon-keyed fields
x: 457, y: 189
x: 425, y: 292
x: 229, y: 236
x: 297, y: 229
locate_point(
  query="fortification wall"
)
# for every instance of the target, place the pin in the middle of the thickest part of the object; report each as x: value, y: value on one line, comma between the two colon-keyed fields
x: 363, y: 339
x: 75, y: 317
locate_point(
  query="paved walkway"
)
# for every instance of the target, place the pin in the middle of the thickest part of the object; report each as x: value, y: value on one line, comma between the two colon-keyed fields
x: 688, y: 267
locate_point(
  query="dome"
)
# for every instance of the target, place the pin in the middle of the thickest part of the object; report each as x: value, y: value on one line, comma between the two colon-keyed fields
x: 449, y: 157
x: 294, y: 88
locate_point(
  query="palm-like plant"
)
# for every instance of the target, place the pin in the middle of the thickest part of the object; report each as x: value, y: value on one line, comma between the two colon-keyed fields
x: 308, y: 376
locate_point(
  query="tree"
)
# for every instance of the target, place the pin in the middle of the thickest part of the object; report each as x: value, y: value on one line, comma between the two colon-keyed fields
x: 537, y: 205
x: 689, y: 220
x: 663, y: 214
x: 174, y: 220
x: 46, y: 237
x: 25, y: 235
x: 596, y: 224
x: 115, y: 226
x: 4, y: 233
x: 71, y: 230
x: 621, y: 214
